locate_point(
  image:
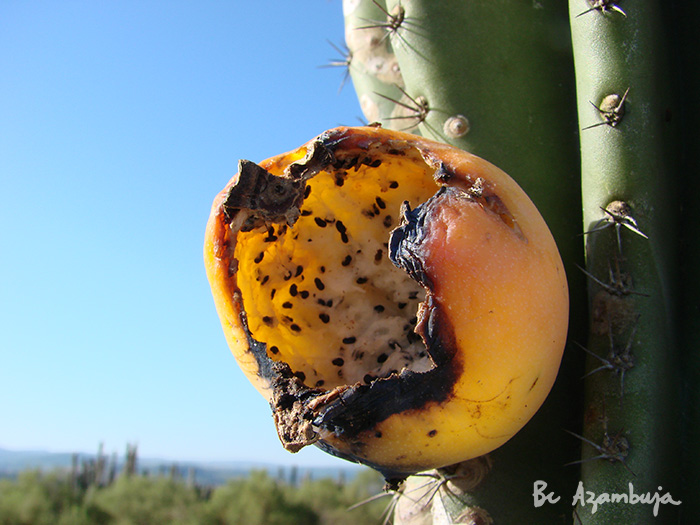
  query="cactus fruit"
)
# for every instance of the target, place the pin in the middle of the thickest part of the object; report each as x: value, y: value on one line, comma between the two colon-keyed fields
x: 401, y: 303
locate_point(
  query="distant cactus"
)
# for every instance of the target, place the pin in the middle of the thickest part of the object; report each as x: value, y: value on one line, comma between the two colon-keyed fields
x: 130, y: 460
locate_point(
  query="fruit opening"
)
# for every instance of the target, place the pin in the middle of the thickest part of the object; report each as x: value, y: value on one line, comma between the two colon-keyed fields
x: 322, y: 294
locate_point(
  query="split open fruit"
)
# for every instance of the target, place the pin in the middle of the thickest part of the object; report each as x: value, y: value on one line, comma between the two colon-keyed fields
x: 399, y: 302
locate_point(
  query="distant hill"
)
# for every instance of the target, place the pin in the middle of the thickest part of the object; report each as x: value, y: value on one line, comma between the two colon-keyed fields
x: 212, y: 473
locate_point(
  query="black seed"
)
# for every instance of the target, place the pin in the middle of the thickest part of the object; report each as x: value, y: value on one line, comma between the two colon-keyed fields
x: 306, y: 213
x: 320, y: 222
x: 361, y: 280
x: 324, y: 317
x: 413, y: 295
x: 301, y: 376
x: 402, y: 305
x: 347, y: 260
x: 295, y: 327
x: 320, y: 382
x: 307, y: 191
x: 344, y: 238
x: 259, y: 257
x: 387, y: 221
x: 368, y: 379
x: 271, y: 237
x: 413, y: 337
x: 432, y: 433
x: 322, y: 302
x: 322, y: 269
x: 340, y: 227
x: 274, y: 350
x: 378, y: 255
x: 379, y: 308
x: 287, y: 275
x: 267, y: 320
x: 286, y: 304
x: 413, y: 320
x: 349, y: 340
x: 368, y: 213
x: 380, y: 203
x: 299, y: 271
x: 393, y: 184
x: 382, y: 357
x: 293, y: 290
x: 339, y: 181
x: 272, y: 293
x: 329, y: 303
x: 377, y: 434
x: 319, y: 283
x: 338, y: 361
x: 265, y: 279
x: 304, y: 294
x: 375, y: 163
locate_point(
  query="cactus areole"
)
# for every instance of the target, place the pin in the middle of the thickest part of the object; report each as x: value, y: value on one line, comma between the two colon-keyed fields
x: 399, y: 302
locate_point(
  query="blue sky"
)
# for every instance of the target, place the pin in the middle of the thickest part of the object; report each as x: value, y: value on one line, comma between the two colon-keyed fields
x: 119, y: 122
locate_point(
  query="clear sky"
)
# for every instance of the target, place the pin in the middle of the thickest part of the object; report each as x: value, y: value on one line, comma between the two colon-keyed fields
x: 119, y: 122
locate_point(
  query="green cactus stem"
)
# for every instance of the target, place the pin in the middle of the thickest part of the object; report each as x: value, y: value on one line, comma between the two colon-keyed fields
x: 496, y: 78
x: 631, y: 431
x: 373, y: 67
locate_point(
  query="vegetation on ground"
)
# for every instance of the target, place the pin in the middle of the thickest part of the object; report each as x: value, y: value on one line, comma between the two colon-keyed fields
x: 58, y: 498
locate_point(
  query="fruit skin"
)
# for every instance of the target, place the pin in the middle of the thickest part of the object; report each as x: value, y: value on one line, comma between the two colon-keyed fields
x: 494, y: 320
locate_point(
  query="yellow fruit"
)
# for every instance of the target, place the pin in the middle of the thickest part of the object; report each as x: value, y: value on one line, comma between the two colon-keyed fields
x: 400, y: 303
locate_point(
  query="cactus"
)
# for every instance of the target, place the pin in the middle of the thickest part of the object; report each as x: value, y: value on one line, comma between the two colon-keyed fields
x: 628, y: 182
x: 507, y: 80
x: 373, y: 66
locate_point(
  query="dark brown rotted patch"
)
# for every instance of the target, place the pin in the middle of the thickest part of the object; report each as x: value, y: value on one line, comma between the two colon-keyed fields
x: 362, y: 406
